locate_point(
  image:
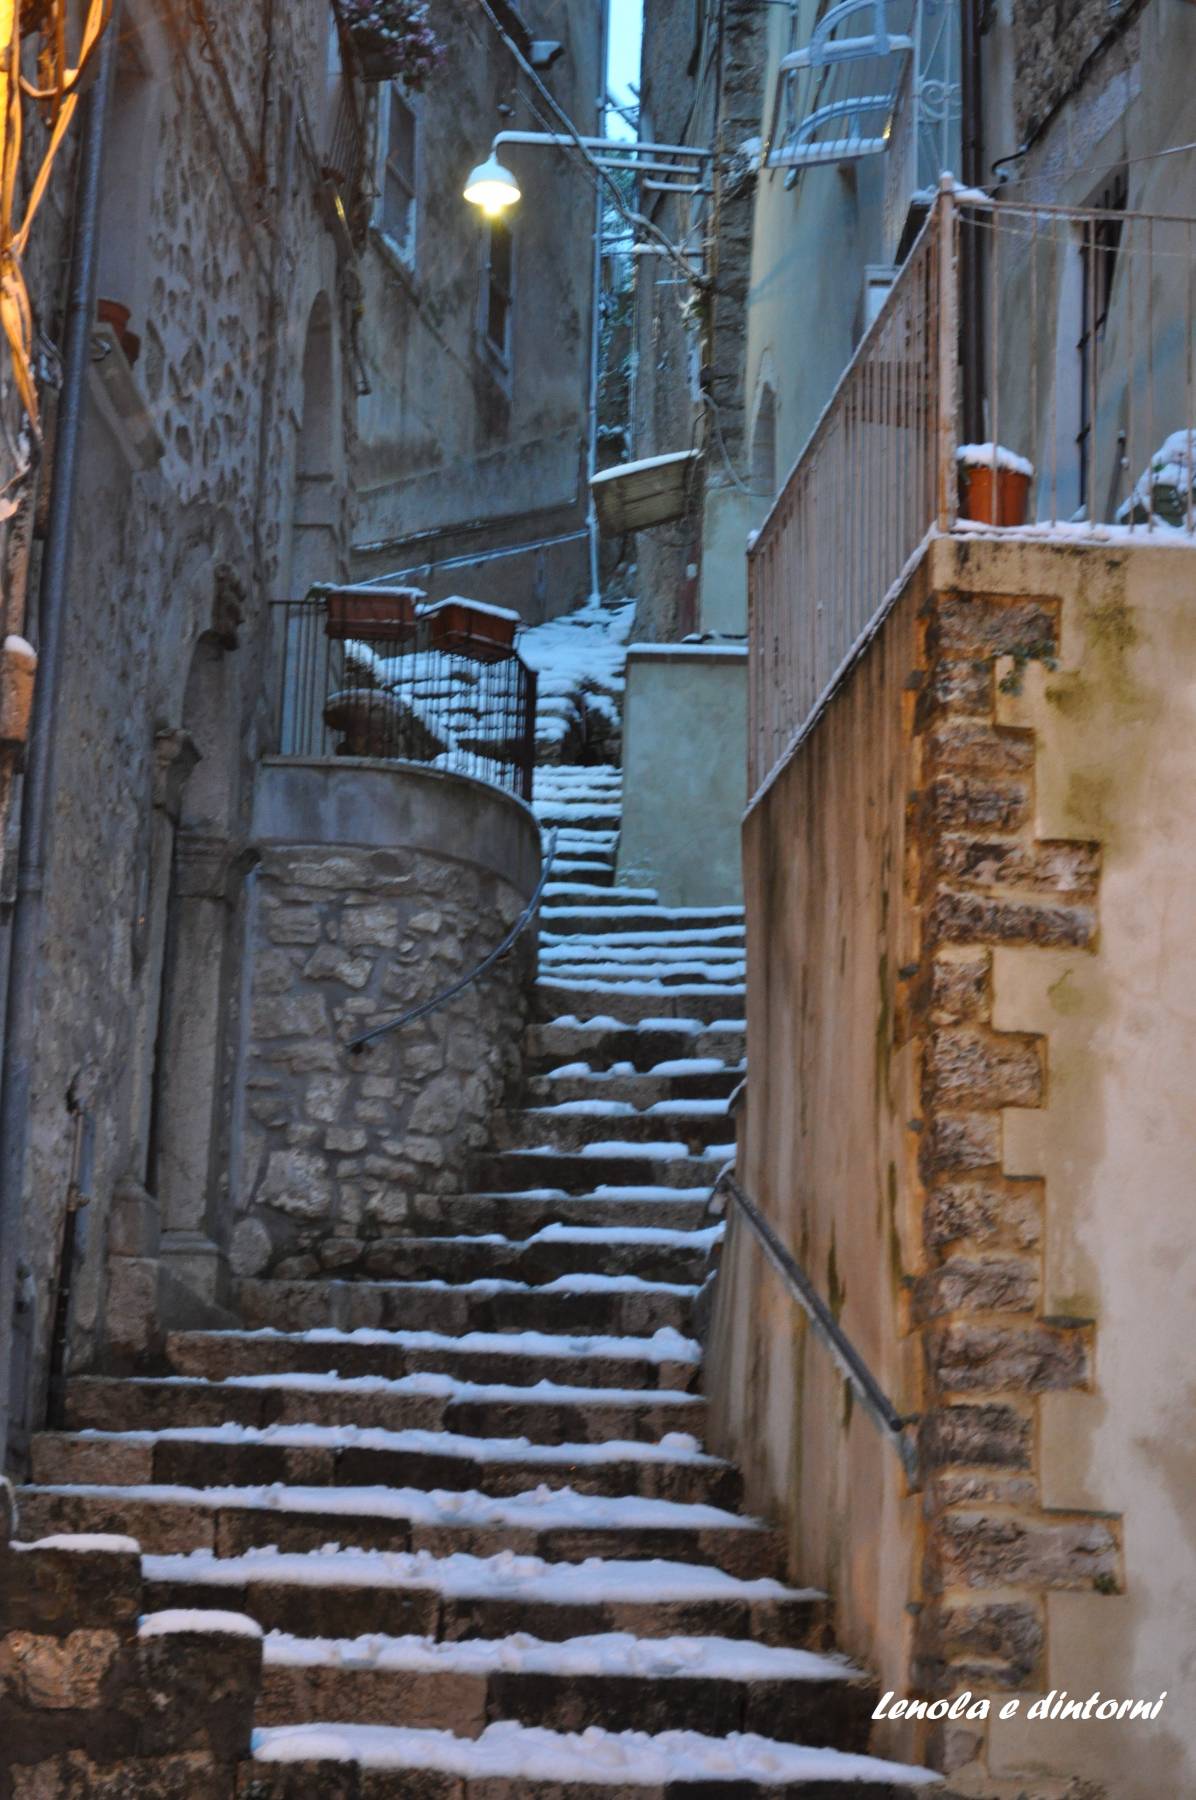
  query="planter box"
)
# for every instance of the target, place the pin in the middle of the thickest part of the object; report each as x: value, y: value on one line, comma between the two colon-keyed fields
x: 635, y: 496
x: 371, y: 615
x: 486, y: 633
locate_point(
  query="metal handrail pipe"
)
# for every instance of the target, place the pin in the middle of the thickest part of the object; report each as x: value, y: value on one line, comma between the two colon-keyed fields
x: 458, y: 987
x: 895, y: 1425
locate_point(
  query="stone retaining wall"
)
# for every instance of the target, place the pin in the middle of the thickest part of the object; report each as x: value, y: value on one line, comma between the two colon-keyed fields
x: 335, y: 1145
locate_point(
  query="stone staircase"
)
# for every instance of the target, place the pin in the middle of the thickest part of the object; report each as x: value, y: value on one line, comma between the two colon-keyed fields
x: 467, y: 1498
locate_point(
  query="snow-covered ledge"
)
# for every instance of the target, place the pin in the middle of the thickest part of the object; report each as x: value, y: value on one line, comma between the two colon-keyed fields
x: 685, y: 771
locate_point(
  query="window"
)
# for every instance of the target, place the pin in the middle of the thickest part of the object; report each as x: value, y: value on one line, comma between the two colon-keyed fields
x: 397, y: 204
x: 1098, y: 260
x: 498, y: 289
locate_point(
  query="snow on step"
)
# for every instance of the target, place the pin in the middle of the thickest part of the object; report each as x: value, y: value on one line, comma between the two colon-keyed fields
x: 443, y: 1387
x: 627, y: 1759
x: 597, y: 1582
x: 614, y: 1653
x: 539, y: 1509
x: 674, y: 1447
x: 665, y: 1345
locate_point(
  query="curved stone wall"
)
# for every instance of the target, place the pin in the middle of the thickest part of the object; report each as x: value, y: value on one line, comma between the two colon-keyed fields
x: 378, y: 886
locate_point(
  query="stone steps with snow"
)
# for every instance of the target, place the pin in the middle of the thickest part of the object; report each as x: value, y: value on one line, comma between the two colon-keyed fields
x: 522, y: 1215
x: 562, y: 922
x: 651, y: 1252
x: 608, y: 1043
x: 572, y: 1125
x: 630, y: 1001
x: 674, y: 1468
x: 347, y: 1593
x: 664, y: 1360
x: 616, y: 1682
x: 550, y: 1413
x: 610, y: 1162
x: 706, y: 1079
x: 510, y: 1760
x: 580, y: 1305
x: 556, y: 1525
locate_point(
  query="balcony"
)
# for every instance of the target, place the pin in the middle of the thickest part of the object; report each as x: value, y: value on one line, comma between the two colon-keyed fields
x: 393, y: 693
x: 1069, y: 346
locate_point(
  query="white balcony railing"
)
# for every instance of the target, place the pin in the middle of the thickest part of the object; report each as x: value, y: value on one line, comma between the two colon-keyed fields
x: 1079, y: 341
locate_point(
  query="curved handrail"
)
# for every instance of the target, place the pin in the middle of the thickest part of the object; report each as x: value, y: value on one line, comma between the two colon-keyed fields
x: 430, y: 1006
x: 852, y: 1366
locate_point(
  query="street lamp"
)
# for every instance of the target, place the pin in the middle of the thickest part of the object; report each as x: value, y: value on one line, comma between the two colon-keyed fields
x: 492, y: 187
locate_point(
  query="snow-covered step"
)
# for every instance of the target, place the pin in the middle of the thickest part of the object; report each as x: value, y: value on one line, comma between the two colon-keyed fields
x: 576, y: 1124
x: 590, y: 933
x: 549, y: 1413
x: 521, y: 1215
x: 345, y: 1593
x: 636, y: 998
x: 674, y: 1468
x: 695, y: 1078
x: 611, y: 1161
x: 614, y: 1681
x: 613, y: 1305
x: 554, y: 1524
x: 590, y: 868
x: 604, y: 1042
x: 650, y: 1252
x: 663, y: 1359
x: 537, y: 1764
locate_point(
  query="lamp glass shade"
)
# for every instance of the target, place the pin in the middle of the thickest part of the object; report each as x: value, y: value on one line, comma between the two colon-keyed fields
x: 492, y: 187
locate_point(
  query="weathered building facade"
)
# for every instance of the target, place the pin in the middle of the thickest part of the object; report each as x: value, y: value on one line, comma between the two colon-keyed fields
x: 478, y: 351
x: 240, y: 289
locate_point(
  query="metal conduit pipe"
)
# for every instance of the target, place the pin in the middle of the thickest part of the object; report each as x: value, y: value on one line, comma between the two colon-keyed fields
x: 20, y: 1021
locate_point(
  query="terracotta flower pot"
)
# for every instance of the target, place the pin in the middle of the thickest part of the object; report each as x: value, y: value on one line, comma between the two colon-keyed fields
x: 372, y: 616
x: 116, y: 314
x: 1002, y: 501
x: 477, y: 631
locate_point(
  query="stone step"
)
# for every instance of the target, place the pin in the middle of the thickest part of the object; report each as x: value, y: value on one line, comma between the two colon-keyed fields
x: 597, y: 871
x: 555, y: 1527
x: 613, y: 1682
x: 554, y: 1414
x: 579, y: 960
x: 607, y: 1043
x: 345, y: 1594
x: 611, y: 922
x: 585, y: 813
x: 332, y: 1457
x: 510, y: 1760
x: 650, y: 1252
x: 522, y: 1215
x: 666, y: 1361
x: 573, y: 1124
x: 616, y: 1306
x: 622, y: 1165
x: 585, y: 999
x: 640, y: 1090
x: 558, y: 892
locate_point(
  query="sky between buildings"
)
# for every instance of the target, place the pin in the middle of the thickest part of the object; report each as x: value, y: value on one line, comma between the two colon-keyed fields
x: 623, y: 68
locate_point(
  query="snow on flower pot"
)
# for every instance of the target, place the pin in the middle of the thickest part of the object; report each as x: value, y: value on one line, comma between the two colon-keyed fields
x: 372, y: 615
x: 994, y: 484
x: 471, y: 628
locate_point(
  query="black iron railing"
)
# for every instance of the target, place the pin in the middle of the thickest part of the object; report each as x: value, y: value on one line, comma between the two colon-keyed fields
x: 487, y: 963
x: 897, y: 1427
x: 394, y: 695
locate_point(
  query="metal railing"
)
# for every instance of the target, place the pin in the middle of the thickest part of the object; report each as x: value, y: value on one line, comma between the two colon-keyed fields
x: 897, y: 1427
x: 1079, y: 353
x: 403, y: 700
x: 466, y: 981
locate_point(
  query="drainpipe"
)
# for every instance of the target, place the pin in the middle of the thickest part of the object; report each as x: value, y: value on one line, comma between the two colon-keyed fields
x: 596, y: 322
x: 971, y: 266
x: 20, y: 1020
